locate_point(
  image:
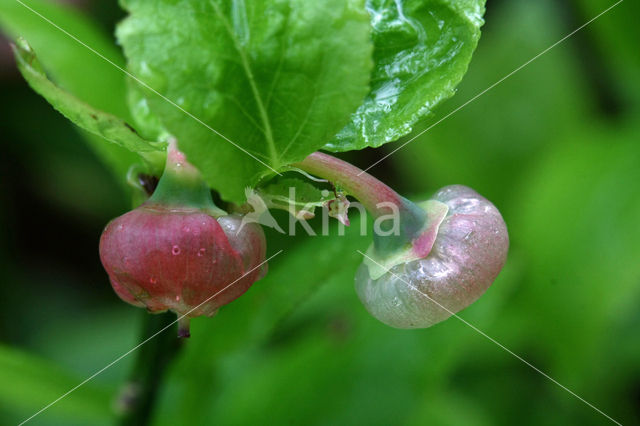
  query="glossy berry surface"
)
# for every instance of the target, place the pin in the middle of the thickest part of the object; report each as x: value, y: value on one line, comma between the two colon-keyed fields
x: 469, y: 251
x: 181, y: 259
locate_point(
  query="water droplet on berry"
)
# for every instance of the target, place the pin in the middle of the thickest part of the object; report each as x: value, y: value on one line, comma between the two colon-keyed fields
x: 201, y: 252
x: 177, y: 298
x: 153, y: 280
x: 175, y: 250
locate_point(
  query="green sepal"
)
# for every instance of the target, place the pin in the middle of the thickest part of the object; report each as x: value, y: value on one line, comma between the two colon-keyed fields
x: 379, y: 262
x: 413, y: 219
x: 182, y: 186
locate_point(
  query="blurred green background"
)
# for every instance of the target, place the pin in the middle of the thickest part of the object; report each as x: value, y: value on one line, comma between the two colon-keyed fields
x: 556, y: 147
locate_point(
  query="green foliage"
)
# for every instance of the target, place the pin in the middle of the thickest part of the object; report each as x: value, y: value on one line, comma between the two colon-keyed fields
x: 258, y: 85
x: 277, y: 78
x: 299, y: 347
x: 28, y: 383
x: 422, y: 48
x: 74, y: 67
x: 84, y: 116
x: 448, y: 154
x: 71, y: 65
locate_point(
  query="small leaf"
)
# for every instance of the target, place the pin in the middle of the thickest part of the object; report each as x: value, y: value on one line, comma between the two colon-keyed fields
x: 295, y: 195
x: 83, y: 115
x: 422, y: 49
x: 73, y: 67
x: 276, y: 78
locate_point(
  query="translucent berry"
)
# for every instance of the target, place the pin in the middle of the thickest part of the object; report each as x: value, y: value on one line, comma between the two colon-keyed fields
x: 456, y: 267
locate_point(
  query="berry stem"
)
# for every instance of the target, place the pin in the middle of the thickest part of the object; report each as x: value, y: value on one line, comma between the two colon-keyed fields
x: 184, y: 324
x: 379, y: 199
x: 138, y: 396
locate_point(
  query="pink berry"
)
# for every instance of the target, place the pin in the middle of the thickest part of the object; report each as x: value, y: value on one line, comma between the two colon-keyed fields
x: 178, y: 251
x: 469, y: 251
x: 183, y: 260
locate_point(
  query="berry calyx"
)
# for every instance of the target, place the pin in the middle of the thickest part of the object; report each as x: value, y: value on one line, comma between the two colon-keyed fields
x: 180, y: 252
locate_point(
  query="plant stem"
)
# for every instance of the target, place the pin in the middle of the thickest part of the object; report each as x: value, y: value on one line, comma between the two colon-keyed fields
x: 374, y: 195
x: 139, y: 394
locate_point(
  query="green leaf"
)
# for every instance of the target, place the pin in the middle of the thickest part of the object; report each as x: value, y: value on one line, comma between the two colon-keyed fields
x: 277, y: 78
x: 28, y: 383
x: 147, y: 122
x: 422, y: 49
x: 74, y: 67
x: 83, y: 115
x: 294, y: 195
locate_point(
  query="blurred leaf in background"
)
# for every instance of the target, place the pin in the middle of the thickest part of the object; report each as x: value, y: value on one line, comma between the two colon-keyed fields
x: 29, y: 384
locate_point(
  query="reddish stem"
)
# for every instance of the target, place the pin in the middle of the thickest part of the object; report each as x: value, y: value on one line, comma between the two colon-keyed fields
x: 371, y: 193
x: 367, y: 189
